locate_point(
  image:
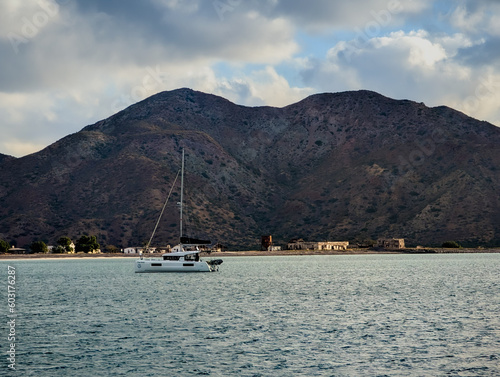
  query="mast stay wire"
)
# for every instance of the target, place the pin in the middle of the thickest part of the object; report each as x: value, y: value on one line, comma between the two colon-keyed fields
x: 162, y: 210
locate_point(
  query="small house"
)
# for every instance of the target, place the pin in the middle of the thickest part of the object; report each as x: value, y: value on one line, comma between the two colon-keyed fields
x: 391, y: 243
x: 17, y: 250
x: 132, y: 250
x: 326, y: 245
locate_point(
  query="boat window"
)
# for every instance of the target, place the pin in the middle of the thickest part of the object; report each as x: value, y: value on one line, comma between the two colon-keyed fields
x: 188, y: 264
x: 155, y: 264
x: 170, y: 257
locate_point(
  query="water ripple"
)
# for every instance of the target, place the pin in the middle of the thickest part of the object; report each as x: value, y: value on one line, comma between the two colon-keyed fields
x: 272, y: 316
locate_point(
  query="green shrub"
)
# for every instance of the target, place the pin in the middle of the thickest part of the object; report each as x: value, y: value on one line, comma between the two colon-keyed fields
x: 87, y: 244
x: 4, y: 246
x: 451, y: 245
x: 39, y: 247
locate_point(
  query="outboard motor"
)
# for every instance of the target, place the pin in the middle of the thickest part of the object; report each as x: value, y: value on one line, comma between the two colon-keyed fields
x: 215, y: 262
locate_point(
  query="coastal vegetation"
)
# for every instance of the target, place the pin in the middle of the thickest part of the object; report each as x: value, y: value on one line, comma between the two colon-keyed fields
x: 4, y: 246
x: 87, y: 244
x: 64, y: 243
x: 39, y: 247
x: 451, y: 245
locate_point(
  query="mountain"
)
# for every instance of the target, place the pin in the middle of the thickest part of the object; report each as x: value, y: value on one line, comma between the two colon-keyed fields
x: 4, y: 157
x: 335, y: 166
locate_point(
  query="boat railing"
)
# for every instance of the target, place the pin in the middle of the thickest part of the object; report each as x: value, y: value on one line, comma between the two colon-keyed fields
x: 150, y: 258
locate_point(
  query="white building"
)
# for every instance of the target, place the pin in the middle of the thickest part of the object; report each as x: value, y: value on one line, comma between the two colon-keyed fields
x: 132, y: 250
x: 303, y: 245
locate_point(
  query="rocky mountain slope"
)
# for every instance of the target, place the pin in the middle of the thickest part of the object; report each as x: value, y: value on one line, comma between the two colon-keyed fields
x: 4, y: 157
x: 344, y: 166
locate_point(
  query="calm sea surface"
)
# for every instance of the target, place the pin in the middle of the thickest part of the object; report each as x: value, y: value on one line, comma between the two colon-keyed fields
x: 376, y: 315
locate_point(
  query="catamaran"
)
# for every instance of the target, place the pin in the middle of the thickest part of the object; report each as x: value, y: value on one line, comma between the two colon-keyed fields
x: 185, y: 257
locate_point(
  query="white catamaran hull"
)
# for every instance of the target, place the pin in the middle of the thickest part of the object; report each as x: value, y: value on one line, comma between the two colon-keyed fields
x: 145, y: 265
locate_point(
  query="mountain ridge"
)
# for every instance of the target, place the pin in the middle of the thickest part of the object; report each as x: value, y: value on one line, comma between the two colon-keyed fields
x: 344, y: 166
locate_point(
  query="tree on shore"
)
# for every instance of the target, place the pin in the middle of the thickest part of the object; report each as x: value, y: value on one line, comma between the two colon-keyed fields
x: 451, y: 244
x: 38, y: 247
x: 112, y: 249
x: 4, y: 246
x: 58, y: 250
x: 87, y: 244
x: 65, y: 242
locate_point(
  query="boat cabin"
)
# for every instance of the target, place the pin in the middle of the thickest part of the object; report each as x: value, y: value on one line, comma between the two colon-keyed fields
x: 192, y: 256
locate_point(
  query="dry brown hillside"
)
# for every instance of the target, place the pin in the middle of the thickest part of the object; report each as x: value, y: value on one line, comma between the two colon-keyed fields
x: 343, y: 166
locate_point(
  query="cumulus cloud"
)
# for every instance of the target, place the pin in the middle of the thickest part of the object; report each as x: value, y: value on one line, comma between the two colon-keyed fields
x: 69, y: 63
x: 477, y: 17
x: 264, y: 87
x: 414, y: 65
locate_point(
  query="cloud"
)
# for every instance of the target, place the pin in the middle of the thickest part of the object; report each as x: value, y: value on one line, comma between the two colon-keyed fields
x: 14, y: 147
x: 263, y: 87
x: 92, y: 36
x: 413, y: 65
x: 477, y: 17
x: 69, y: 63
x: 36, y: 119
x: 321, y: 15
x: 188, y: 29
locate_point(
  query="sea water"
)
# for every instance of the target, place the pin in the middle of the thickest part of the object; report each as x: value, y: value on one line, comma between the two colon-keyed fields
x: 358, y: 315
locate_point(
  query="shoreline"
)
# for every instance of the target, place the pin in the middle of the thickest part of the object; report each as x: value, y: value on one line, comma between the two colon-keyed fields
x: 255, y: 253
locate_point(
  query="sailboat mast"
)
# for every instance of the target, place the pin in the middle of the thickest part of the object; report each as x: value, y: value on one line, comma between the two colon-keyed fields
x: 182, y: 190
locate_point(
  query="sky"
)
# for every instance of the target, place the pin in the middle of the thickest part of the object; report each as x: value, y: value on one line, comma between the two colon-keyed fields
x: 65, y: 64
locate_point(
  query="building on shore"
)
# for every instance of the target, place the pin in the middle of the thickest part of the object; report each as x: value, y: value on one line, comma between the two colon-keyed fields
x: 218, y: 247
x: 63, y: 248
x: 266, y: 242
x: 17, y: 250
x: 391, y: 243
x: 133, y: 250
x: 274, y: 248
x: 326, y: 245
